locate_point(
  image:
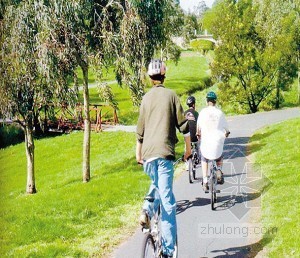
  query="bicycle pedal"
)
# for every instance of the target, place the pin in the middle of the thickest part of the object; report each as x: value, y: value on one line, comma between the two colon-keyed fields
x: 149, y: 198
x: 206, y: 191
x: 218, y: 191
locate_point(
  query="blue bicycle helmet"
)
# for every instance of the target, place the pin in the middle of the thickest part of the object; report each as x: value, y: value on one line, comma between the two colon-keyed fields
x: 211, y: 96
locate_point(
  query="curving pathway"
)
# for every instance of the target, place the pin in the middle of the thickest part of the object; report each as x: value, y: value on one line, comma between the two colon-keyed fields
x: 232, y: 229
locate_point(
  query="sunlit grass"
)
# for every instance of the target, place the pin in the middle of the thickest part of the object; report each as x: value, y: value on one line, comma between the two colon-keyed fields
x: 277, y: 154
x: 68, y: 218
x: 65, y: 213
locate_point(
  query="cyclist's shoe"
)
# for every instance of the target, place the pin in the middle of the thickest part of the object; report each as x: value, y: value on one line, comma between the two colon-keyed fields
x: 220, y: 177
x: 166, y: 256
x: 205, y: 187
x: 186, y: 166
x: 145, y: 220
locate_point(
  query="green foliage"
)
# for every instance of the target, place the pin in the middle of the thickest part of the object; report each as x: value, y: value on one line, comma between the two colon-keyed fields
x: 36, y: 72
x: 202, y: 46
x: 106, y: 95
x: 276, y: 151
x: 147, y: 27
x: 254, y: 58
x: 190, y: 27
x: 30, y: 76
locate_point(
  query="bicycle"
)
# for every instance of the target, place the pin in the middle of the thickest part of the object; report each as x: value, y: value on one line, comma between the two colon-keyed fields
x: 213, y: 181
x: 152, y: 245
x: 213, y: 184
x: 193, y: 162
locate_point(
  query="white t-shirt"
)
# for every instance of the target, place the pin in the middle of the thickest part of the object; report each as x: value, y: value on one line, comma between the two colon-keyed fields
x: 213, y: 126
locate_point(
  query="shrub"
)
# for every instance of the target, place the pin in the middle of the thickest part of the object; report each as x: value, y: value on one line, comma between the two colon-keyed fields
x: 10, y: 134
x: 202, y: 46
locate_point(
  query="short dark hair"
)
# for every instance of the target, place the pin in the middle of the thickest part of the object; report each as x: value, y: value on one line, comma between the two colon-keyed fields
x: 157, y: 77
x: 211, y: 100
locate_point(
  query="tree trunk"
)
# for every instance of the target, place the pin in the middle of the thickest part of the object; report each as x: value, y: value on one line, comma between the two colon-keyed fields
x: 87, y: 127
x: 298, y: 61
x: 251, y: 103
x: 277, y: 104
x: 253, y: 106
x: 29, y: 147
x: 36, y: 124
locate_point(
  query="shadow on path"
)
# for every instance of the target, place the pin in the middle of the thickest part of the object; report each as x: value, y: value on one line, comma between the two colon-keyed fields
x: 248, y: 251
x: 183, y: 205
x: 235, y: 147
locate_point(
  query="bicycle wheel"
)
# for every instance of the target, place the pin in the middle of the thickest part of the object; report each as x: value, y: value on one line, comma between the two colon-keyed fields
x: 148, y: 250
x: 213, y: 193
x: 175, y: 254
x: 190, y: 165
x: 194, y: 169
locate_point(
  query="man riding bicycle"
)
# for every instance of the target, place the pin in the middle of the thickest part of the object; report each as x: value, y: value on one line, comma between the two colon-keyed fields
x: 160, y: 114
x: 212, y: 128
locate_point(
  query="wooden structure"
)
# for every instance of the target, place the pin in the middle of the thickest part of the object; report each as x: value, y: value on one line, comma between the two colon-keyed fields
x: 72, y: 119
x: 101, y: 116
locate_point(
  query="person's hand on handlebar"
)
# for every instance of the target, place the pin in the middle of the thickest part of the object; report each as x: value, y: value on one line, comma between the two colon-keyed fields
x: 140, y: 162
x: 138, y: 153
x: 188, y: 148
x: 187, y: 155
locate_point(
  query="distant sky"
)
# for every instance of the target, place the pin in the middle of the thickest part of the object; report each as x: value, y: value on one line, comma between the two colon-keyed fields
x: 189, y: 4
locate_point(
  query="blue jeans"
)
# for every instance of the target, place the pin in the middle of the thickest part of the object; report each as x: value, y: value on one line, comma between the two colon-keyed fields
x: 161, y: 172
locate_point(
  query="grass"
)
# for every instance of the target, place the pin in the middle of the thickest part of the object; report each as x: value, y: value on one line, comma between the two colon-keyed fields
x: 190, y: 75
x: 291, y: 96
x: 276, y: 150
x: 68, y: 218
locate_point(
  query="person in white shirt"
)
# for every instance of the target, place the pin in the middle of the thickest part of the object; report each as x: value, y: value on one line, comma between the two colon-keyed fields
x: 212, y: 129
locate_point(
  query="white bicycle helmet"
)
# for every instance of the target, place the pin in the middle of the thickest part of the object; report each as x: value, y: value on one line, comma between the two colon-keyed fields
x: 156, y: 67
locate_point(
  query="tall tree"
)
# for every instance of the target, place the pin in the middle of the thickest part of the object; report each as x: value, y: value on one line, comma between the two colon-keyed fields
x: 30, y: 76
x: 87, y: 30
x: 147, y: 29
x: 250, y: 65
x: 276, y: 21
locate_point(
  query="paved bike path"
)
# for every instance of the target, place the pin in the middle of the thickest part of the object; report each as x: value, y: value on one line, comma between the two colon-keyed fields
x: 228, y: 231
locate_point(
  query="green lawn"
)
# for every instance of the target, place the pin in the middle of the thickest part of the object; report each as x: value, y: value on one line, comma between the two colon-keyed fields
x: 68, y: 218
x: 277, y: 153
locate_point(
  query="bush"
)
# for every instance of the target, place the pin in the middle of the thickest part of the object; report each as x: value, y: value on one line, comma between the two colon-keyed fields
x: 202, y: 46
x: 10, y: 134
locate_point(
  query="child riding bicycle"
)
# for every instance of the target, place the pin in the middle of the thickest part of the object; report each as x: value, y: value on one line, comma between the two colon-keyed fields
x: 192, y: 116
